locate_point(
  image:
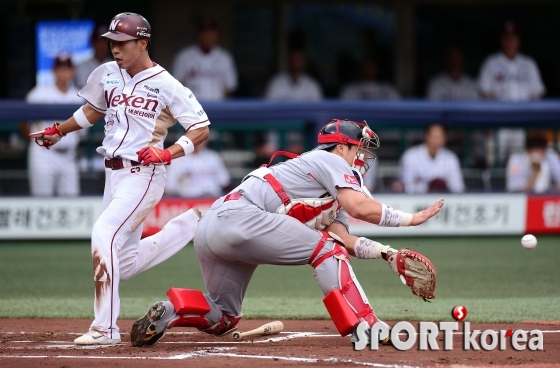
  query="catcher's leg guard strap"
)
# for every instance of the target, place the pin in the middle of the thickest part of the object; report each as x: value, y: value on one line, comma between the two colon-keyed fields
x: 192, y: 307
x: 350, y: 292
x: 354, y: 294
x: 320, y: 246
x: 337, y: 250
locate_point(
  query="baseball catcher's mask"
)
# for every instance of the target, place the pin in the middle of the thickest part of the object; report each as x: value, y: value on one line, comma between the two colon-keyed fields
x: 128, y: 26
x: 351, y: 132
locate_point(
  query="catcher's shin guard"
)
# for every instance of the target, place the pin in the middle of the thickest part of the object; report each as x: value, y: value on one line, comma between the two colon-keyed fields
x: 191, y: 306
x: 347, y: 305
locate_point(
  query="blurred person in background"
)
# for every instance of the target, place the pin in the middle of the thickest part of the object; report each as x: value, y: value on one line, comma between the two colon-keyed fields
x: 100, y: 56
x: 294, y: 84
x: 535, y: 169
x: 200, y: 174
x: 369, y: 88
x: 453, y: 83
x: 430, y: 167
x: 509, y: 75
x: 206, y: 68
x: 55, y: 172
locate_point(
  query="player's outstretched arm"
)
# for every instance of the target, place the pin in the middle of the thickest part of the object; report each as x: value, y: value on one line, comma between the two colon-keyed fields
x: 367, y: 209
x: 84, y: 117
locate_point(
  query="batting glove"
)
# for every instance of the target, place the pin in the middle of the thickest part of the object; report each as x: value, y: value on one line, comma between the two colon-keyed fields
x: 48, y: 136
x: 153, y: 155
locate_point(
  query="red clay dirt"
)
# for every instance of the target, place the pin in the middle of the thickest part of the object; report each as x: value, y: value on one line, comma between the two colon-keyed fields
x: 304, y: 343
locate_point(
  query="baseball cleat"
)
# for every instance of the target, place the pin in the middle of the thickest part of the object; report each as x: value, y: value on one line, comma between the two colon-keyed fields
x: 143, y: 332
x: 95, y: 338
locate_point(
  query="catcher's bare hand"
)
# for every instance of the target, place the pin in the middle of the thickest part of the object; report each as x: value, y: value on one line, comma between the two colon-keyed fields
x: 420, y: 217
x: 48, y: 136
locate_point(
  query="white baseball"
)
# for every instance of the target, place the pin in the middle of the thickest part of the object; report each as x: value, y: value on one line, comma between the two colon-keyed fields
x: 529, y: 241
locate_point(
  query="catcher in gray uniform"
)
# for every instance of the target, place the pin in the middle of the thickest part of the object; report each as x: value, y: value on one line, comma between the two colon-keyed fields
x: 293, y: 213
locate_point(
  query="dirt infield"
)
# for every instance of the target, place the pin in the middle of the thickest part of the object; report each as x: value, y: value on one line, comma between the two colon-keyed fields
x: 48, y: 343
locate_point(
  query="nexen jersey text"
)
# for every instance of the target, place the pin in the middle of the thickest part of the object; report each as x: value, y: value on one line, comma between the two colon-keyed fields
x: 137, y: 115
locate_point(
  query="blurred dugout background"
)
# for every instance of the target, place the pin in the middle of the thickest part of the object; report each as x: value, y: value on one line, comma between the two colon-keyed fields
x: 407, y: 38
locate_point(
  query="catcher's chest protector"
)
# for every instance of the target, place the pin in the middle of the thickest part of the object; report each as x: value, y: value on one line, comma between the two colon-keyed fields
x: 317, y: 213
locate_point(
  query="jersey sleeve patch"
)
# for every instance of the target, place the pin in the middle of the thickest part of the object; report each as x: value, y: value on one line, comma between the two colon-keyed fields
x: 351, y: 179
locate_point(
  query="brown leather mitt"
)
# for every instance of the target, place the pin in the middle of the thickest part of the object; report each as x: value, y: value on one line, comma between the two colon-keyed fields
x: 415, y: 271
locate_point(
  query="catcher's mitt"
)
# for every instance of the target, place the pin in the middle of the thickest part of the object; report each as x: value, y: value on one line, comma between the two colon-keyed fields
x: 415, y: 271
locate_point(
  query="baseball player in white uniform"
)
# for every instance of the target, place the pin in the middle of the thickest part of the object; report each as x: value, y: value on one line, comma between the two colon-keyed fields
x: 426, y: 165
x: 140, y: 101
x: 55, y: 171
x: 206, y: 68
x: 510, y: 76
x: 293, y: 213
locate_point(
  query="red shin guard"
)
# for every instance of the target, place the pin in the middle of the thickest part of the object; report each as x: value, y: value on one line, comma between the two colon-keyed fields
x: 347, y: 305
x: 191, y: 305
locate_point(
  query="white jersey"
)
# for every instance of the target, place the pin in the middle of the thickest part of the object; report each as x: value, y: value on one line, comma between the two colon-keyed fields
x: 443, y: 88
x: 519, y: 172
x: 369, y: 91
x: 418, y: 168
x: 283, y: 88
x: 511, y: 80
x: 83, y: 70
x: 52, y: 95
x: 209, y: 75
x: 139, y: 110
x: 200, y: 174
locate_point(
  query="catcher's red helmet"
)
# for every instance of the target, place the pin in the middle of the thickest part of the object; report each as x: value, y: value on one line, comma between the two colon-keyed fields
x: 350, y: 132
x: 128, y: 26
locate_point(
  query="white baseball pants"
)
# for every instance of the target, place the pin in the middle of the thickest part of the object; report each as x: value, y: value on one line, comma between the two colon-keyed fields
x: 117, y: 250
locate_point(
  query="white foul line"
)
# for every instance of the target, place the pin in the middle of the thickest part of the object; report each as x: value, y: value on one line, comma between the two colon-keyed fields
x: 216, y: 354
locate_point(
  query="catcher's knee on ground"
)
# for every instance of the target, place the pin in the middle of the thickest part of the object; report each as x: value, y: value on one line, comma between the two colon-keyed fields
x: 345, y: 300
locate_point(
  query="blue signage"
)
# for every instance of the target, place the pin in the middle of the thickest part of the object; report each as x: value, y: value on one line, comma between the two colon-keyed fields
x: 53, y: 37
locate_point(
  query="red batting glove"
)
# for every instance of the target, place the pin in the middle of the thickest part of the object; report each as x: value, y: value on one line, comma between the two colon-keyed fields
x: 48, y: 136
x: 153, y: 155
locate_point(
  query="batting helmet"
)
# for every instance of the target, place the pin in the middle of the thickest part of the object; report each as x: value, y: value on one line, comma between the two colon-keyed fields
x: 350, y: 132
x: 128, y: 26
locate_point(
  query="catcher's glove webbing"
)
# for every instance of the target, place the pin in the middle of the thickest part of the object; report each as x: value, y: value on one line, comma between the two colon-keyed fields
x: 415, y: 271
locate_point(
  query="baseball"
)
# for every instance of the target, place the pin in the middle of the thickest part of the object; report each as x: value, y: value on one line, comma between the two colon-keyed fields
x: 529, y: 241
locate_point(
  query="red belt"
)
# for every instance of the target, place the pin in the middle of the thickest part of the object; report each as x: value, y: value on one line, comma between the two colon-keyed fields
x: 117, y: 163
x: 233, y: 197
